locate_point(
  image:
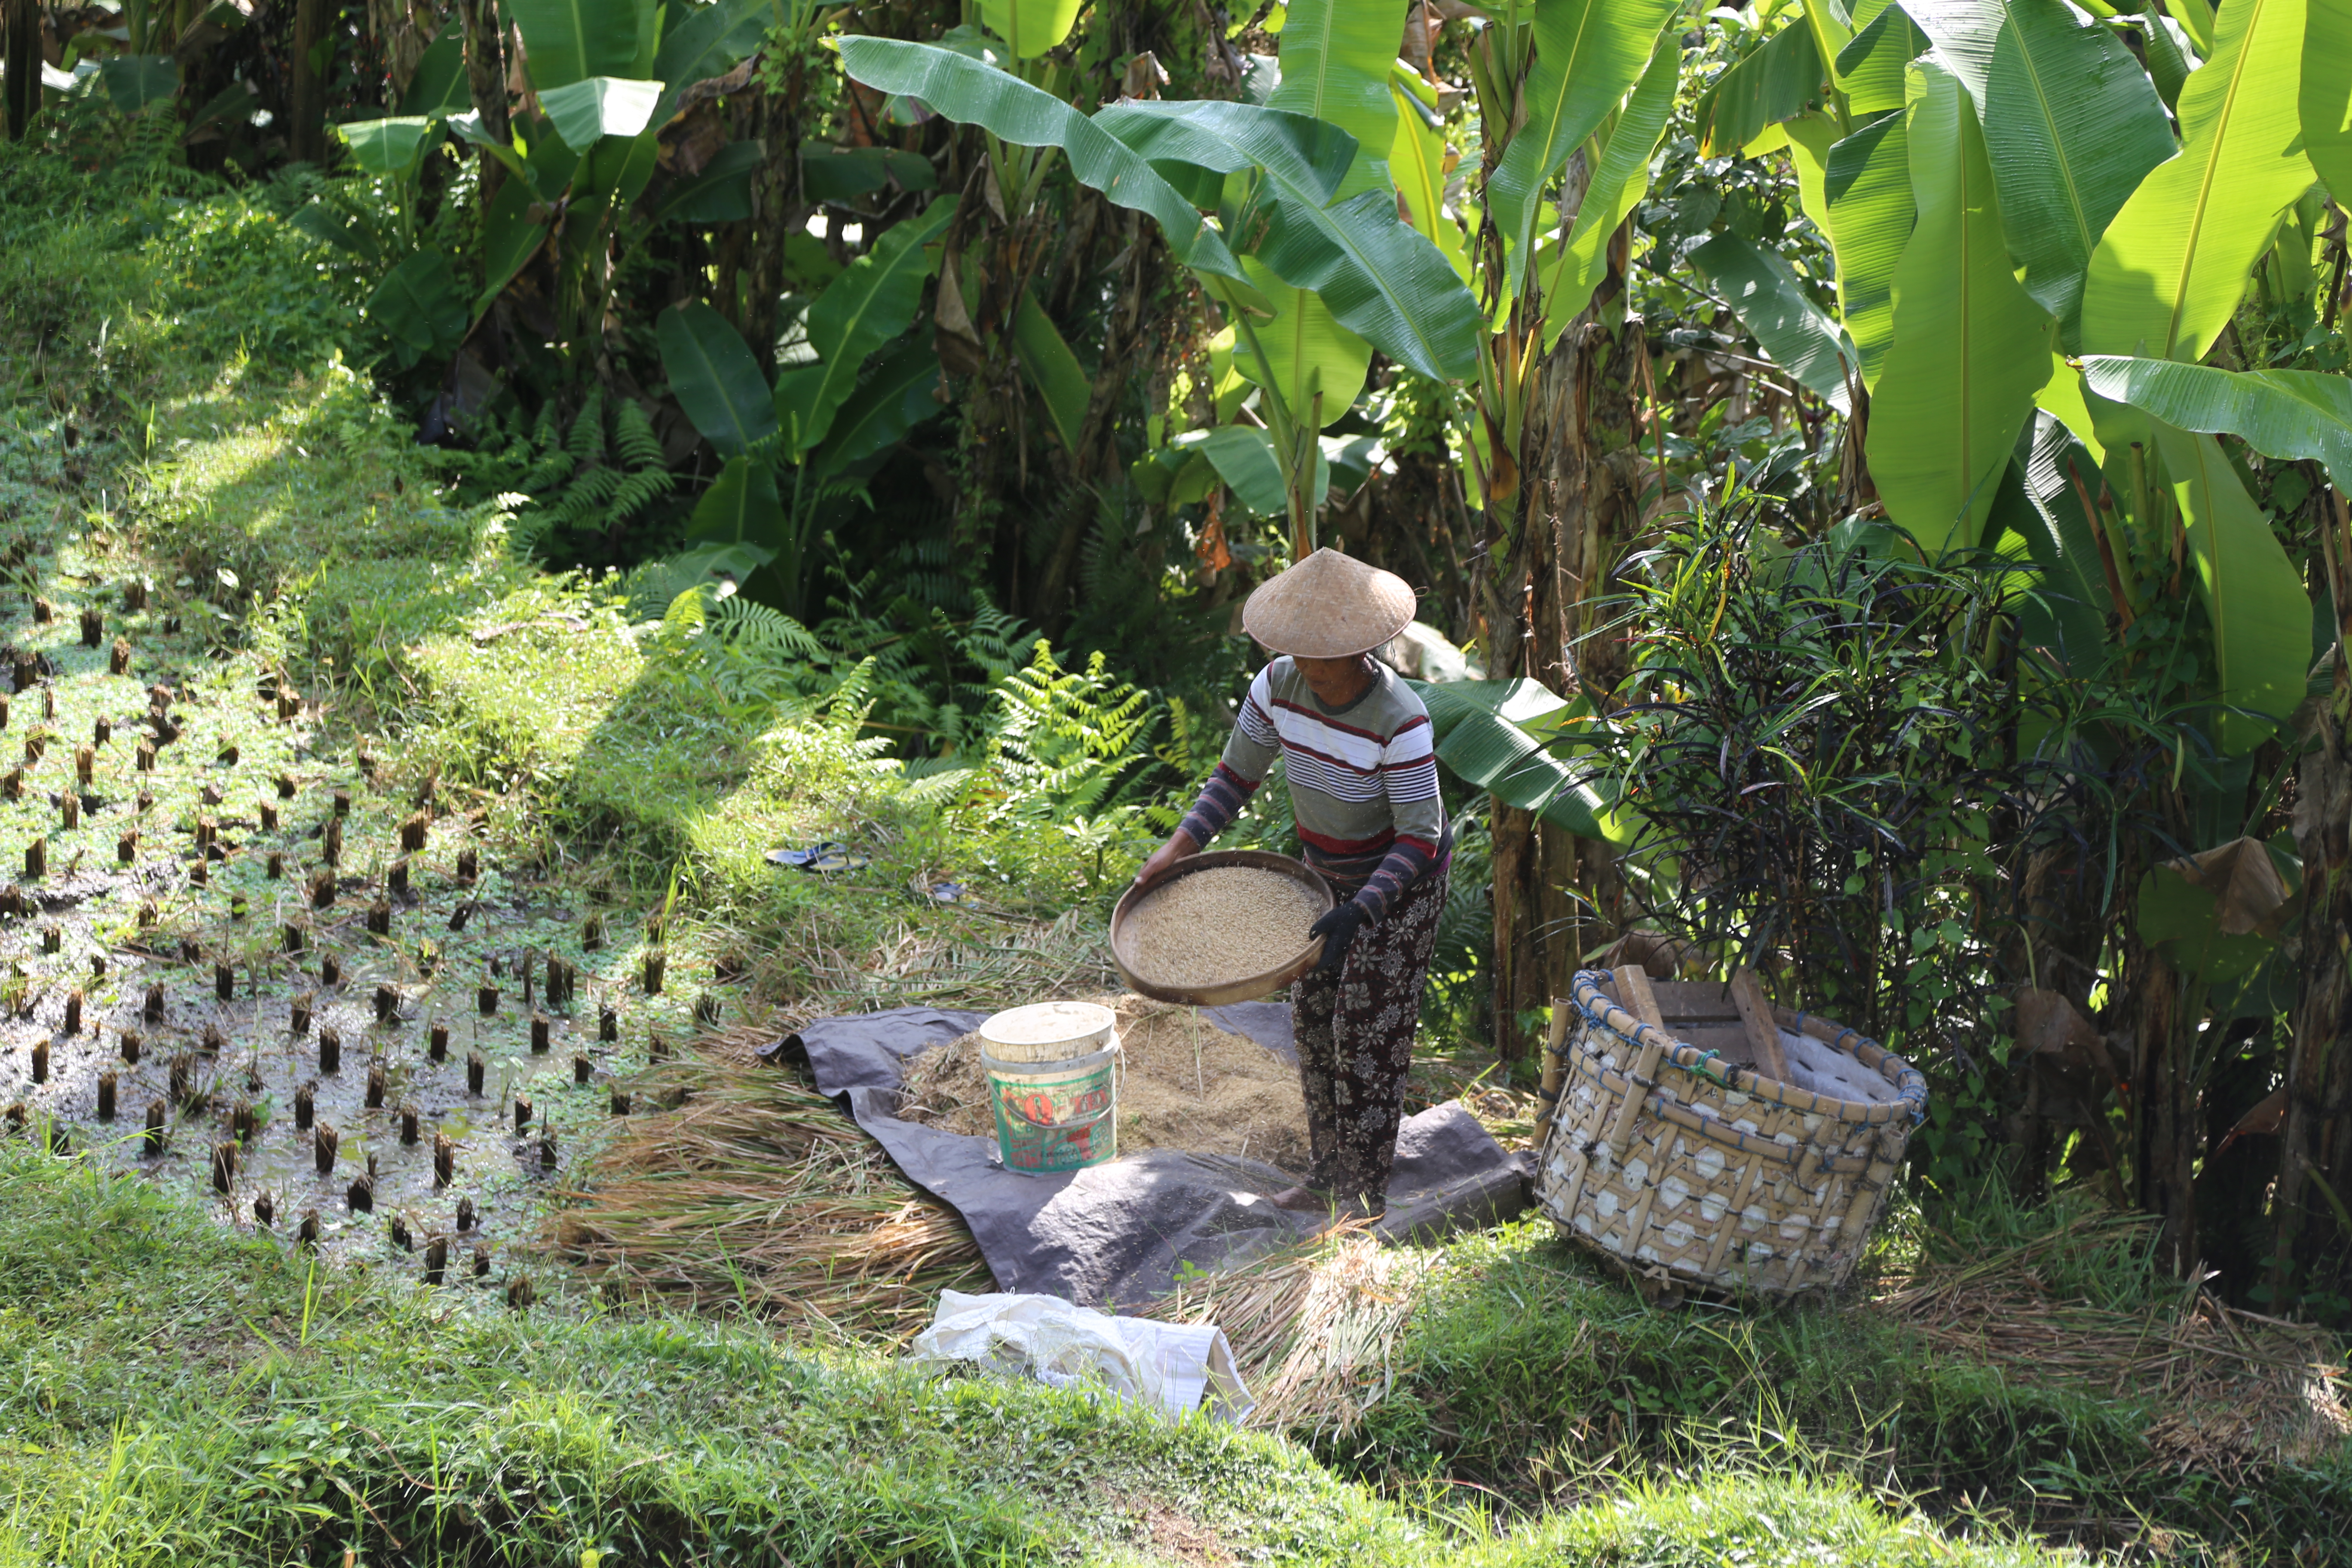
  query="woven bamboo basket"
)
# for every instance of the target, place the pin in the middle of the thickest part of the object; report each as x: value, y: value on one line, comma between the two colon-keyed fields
x: 1688, y: 1167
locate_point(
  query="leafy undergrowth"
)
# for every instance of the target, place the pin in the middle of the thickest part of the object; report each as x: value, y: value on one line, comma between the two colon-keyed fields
x: 179, y: 1392
x: 1534, y: 1375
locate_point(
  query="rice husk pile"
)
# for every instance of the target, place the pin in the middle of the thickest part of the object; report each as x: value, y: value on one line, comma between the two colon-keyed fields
x: 1212, y: 927
x: 1185, y: 1084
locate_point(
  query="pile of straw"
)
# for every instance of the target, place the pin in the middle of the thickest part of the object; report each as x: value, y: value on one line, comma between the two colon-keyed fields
x: 1183, y: 1083
x: 756, y: 1192
x: 1314, y: 1328
x: 2239, y: 1390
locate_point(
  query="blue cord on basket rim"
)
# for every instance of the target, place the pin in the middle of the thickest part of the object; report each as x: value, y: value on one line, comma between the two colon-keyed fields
x: 1910, y: 1084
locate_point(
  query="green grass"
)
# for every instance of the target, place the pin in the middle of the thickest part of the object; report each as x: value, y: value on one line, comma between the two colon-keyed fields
x: 1534, y: 1375
x: 178, y: 1391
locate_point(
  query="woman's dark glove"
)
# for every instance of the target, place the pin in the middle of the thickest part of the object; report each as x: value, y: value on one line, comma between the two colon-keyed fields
x: 1338, y: 929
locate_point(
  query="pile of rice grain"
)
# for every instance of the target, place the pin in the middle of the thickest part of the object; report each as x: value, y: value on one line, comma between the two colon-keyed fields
x: 1185, y: 1084
x: 1213, y: 927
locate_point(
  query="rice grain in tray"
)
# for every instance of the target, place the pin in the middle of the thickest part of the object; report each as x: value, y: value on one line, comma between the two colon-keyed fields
x: 1217, y: 926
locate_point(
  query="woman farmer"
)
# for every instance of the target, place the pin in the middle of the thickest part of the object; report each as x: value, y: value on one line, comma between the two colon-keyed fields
x: 1355, y: 748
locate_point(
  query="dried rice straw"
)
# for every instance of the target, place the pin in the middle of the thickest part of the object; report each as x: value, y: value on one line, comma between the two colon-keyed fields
x: 758, y: 1191
x: 2241, y: 1391
x: 1314, y: 1328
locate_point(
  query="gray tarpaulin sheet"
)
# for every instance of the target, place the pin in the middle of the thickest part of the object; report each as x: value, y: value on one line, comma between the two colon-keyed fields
x: 1115, y: 1234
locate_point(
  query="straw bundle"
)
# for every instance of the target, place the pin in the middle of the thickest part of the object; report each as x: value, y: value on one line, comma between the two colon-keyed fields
x: 758, y: 1191
x: 2239, y: 1390
x: 1314, y: 1328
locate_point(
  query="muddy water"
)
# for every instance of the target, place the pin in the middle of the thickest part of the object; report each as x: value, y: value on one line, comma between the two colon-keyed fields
x: 112, y: 916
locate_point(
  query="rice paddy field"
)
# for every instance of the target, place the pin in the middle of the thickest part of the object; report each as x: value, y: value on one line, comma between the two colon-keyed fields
x: 536, y: 1262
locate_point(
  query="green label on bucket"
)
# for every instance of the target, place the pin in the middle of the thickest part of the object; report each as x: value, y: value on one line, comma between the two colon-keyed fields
x: 1054, y: 1116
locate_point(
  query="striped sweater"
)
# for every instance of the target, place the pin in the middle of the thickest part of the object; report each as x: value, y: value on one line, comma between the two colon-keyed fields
x: 1363, y: 780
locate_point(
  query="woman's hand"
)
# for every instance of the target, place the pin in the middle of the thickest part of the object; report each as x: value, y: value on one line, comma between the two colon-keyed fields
x: 1179, y: 844
x: 1338, y: 929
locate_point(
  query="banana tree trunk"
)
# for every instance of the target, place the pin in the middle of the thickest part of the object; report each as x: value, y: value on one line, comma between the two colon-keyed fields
x: 485, y: 75
x: 778, y: 212
x: 1556, y: 895
x: 313, y: 58
x: 2168, y: 1133
x: 24, y: 53
x: 2315, y: 1172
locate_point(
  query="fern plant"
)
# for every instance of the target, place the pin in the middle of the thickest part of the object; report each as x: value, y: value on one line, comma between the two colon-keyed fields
x: 588, y: 483
x: 753, y: 655
x: 1068, y: 775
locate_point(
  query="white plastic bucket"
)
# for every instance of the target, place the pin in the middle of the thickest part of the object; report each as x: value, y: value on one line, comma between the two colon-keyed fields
x: 1048, y: 1031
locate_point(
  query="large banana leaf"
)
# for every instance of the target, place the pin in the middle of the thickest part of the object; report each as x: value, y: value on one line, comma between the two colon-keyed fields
x: 2071, y: 121
x: 2072, y: 600
x: 467, y: 127
x: 2254, y: 594
x: 706, y: 41
x: 2062, y: 398
x: 1243, y: 458
x: 1588, y: 53
x: 1870, y: 69
x: 586, y: 111
x: 2325, y: 102
x: 1866, y: 183
x: 2170, y: 271
x: 2169, y: 60
x: 1417, y: 164
x: 388, y: 146
x: 721, y: 193
x: 1764, y: 289
x: 1970, y: 345
x: 867, y: 305
x: 1383, y: 280
x: 438, y: 87
x: 134, y: 81
x: 2289, y: 415
x: 1052, y: 369
x: 717, y: 381
x: 1336, y: 56
x: 1619, y: 182
x: 1308, y: 352
x: 894, y: 398
x: 1477, y: 726
x: 741, y: 507
x: 511, y: 236
x: 1809, y: 139
x: 2196, y: 19
x: 1834, y: 27
x: 968, y: 92
x: 1031, y: 26
x: 420, y: 306
x: 1777, y: 81
x: 572, y: 40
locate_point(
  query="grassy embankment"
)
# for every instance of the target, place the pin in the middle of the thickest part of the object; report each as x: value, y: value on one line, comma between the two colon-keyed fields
x: 182, y: 1391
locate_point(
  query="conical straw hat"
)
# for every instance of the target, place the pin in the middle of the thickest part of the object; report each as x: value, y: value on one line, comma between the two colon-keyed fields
x: 1327, y: 606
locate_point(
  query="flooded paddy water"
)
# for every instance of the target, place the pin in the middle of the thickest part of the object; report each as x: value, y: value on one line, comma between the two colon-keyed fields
x: 242, y: 957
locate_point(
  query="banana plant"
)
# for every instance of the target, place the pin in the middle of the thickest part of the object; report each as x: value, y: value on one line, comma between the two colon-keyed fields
x: 1289, y: 227
x: 2032, y: 265
x: 1552, y: 78
x: 605, y: 76
x: 794, y: 452
x: 2025, y: 197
